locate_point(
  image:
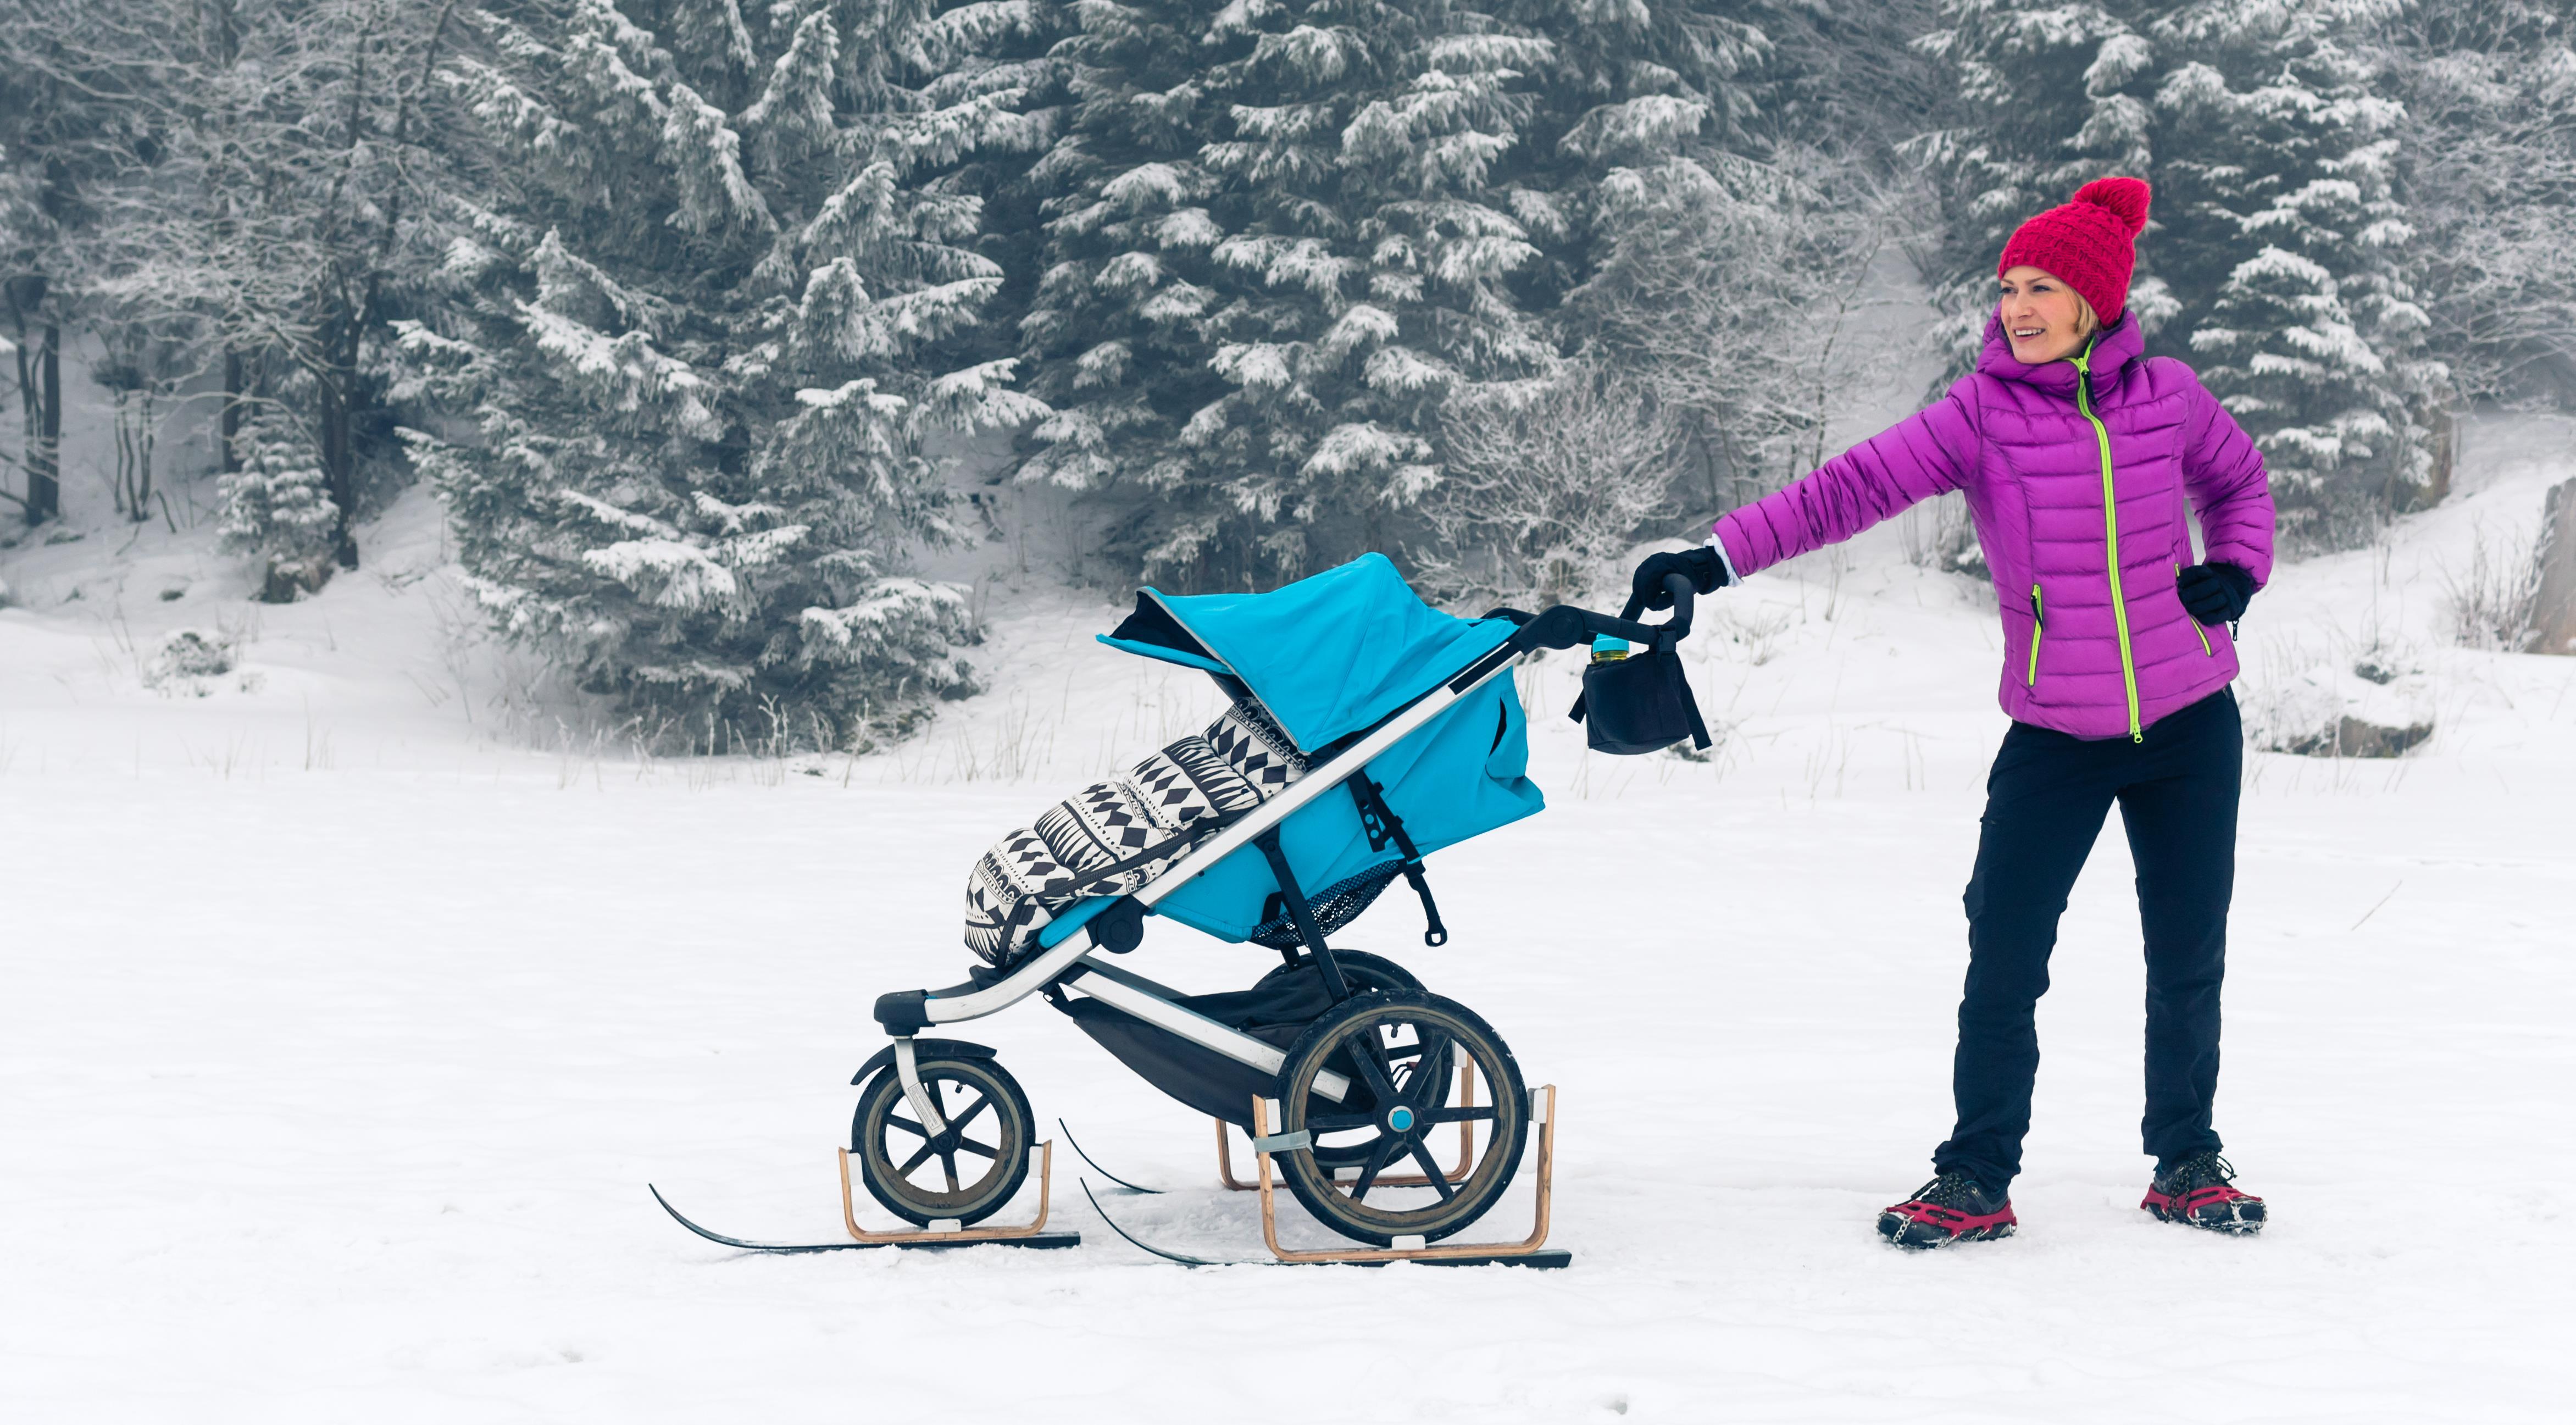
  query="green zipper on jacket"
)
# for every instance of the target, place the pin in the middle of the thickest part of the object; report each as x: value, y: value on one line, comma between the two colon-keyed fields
x: 2110, y: 536
x: 2038, y: 627
x: 2205, y: 649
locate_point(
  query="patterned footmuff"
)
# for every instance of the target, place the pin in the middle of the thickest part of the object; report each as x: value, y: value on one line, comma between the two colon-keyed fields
x: 1119, y: 834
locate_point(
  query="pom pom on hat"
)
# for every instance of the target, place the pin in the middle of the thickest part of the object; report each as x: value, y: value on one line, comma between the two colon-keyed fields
x: 2126, y: 198
x: 2089, y: 244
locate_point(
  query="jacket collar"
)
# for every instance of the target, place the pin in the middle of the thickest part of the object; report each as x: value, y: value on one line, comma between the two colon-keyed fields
x: 2115, y: 348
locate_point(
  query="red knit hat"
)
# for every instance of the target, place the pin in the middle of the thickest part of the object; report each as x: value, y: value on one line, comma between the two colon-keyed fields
x: 2089, y: 244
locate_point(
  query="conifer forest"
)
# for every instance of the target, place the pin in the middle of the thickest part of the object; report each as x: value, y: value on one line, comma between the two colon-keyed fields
x: 685, y: 309
x: 689, y: 688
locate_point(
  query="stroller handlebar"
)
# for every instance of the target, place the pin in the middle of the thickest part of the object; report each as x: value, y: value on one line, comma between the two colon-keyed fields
x: 1566, y: 626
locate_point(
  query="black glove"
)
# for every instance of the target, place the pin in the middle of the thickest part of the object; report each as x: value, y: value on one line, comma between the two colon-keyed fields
x: 1707, y: 573
x: 2216, y: 593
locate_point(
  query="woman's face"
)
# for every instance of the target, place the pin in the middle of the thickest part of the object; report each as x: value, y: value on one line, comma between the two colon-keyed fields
x: 2042, y: 317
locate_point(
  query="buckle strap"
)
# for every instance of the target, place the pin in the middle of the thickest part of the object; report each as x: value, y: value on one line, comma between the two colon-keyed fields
x: 1383, y: 827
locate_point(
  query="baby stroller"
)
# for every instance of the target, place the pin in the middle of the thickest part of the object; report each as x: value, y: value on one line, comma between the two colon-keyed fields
x: 1366, y: 730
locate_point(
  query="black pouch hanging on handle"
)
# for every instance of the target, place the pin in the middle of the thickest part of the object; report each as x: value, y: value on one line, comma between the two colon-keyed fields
x: 1642, y: 703
x: 1639, y: 704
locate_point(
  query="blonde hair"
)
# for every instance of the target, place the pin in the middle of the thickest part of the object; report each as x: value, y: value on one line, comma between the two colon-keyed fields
x: 2087, y: 321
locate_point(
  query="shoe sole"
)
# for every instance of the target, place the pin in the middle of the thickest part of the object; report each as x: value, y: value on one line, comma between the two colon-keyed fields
x: 2237, y: 1223
x: 1916, y: 1236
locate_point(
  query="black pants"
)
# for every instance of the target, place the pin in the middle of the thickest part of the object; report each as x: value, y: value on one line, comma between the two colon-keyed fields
x: 2045, y: 801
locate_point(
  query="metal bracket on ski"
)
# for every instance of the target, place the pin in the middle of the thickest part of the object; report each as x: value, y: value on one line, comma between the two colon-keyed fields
x: 1466, y: 1148
x: 1032, y: 1234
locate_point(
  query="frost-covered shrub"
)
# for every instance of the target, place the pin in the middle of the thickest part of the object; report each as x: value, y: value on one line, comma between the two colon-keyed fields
x: 1727, y: 291
x: 278, y: 510
x: 1548, y: 484
x: 2492, y: 601
x: 186, y: 656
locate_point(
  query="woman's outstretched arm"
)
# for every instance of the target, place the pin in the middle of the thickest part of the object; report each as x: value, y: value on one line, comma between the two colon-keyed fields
x: 1928, y: 453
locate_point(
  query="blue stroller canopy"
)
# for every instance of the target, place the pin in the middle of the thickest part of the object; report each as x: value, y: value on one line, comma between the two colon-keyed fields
x: 1326, y: 656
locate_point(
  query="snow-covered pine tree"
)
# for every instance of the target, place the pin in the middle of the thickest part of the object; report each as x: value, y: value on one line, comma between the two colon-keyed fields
x: 1548, y: 477
x: 1616, y: 96
x: 2487, y: 170
x: 2283, y: 236
x: 2049, y: 96
x: 277, y: 509
x: 1274, y: 245
x: 698, y: 338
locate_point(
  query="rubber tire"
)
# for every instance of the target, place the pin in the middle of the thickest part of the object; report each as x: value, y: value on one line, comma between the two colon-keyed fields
x: 1494, y: 1170
x: 1016, y: 1137
x: 1374, y: 972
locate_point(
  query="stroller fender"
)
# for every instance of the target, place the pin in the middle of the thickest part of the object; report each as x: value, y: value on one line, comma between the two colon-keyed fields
x: 883, y: 1059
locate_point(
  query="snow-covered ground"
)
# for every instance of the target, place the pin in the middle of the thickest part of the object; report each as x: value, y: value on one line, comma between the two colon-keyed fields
x: 351, y: 1002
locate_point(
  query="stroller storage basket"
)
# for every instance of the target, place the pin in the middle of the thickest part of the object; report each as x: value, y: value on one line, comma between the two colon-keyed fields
x: 1335, y: 906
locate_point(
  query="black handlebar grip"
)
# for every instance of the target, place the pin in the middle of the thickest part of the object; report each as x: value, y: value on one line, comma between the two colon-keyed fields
x: 1684, y: 593
x: 1566, y: 626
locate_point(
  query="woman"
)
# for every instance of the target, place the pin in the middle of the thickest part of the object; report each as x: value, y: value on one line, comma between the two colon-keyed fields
x: 2076, y: 456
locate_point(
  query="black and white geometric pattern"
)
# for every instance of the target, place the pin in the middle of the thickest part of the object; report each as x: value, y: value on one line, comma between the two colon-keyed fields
x: 1256, y: 749
x: 1103, y: 826
x: 1116, y: 836
x: 1008, y: 891
x: 1188, y: 781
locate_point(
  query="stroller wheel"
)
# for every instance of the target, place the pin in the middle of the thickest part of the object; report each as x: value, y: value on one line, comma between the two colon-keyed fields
x: 1397, y: 1049
x: 967, y: 1173
x: 1364, y: 972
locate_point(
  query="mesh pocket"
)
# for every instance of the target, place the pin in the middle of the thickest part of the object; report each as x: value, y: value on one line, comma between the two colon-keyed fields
x: 1335, y: 906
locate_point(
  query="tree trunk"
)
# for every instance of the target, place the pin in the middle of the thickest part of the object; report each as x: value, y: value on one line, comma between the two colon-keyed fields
x: 2553, y: 608
x: 231, y: 420
x: 2446, y: 450
x: 45, y: 431
x: 339, y: 467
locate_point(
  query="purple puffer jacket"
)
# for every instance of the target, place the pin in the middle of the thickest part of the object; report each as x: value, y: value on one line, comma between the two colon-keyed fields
x: 2084, y: 653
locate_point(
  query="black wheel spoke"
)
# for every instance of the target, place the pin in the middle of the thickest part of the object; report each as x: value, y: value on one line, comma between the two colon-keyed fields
x: 969, y: 1145
x: 1376, y: 1164
x: 1429, y: 1085
x: 915, y: 1161
x: 948, y: 1165
x: 1439, y: 1176
x: 907, y: 1125
x: 1481, y: 1113
x: 1367, y: 1054
x: 981, y: 1103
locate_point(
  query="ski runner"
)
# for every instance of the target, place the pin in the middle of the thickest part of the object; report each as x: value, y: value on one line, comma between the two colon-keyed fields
x: 2076, y: 454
